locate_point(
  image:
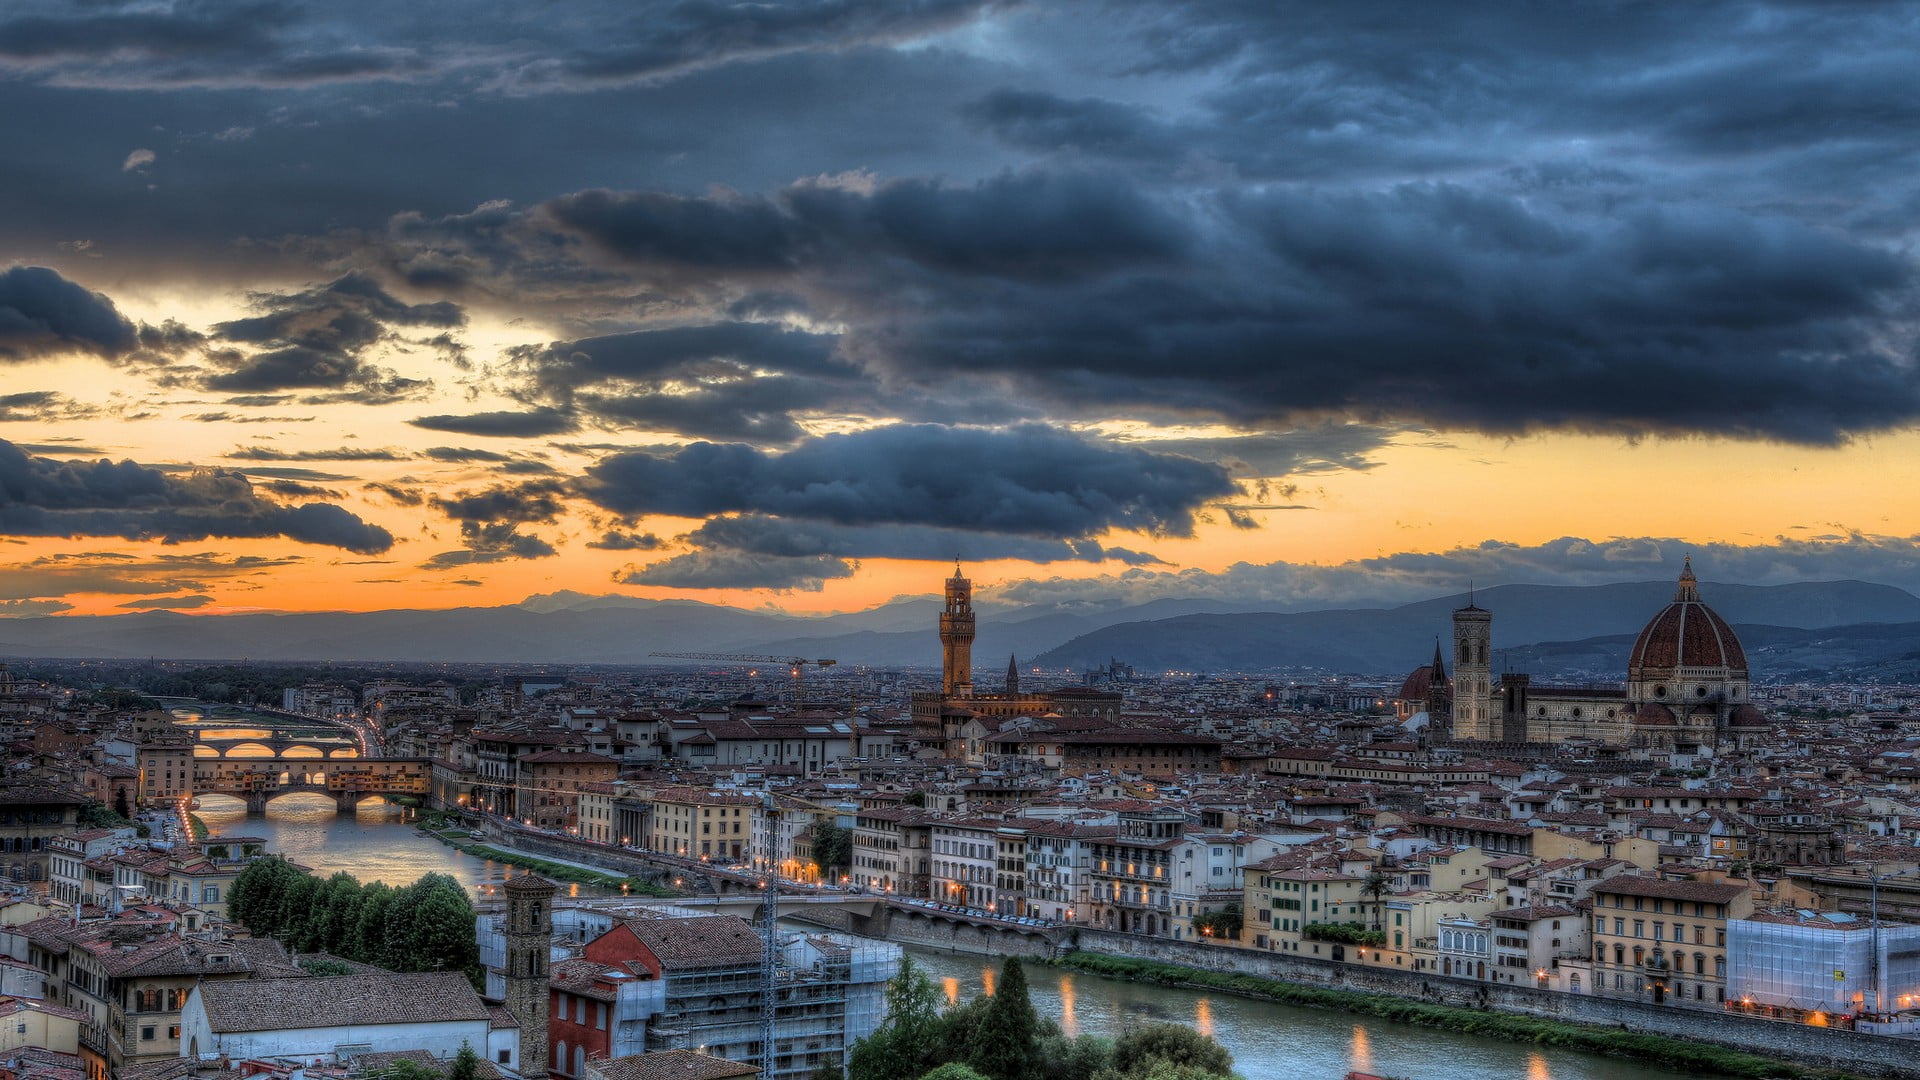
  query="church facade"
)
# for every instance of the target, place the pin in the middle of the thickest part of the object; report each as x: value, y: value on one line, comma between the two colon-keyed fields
x: 1686, y: 690
x: 940, y: 717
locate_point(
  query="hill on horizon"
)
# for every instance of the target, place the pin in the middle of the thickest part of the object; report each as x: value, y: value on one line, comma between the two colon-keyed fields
x: 1167, y: 634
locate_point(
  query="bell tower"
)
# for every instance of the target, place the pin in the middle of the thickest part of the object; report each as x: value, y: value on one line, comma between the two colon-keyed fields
x: 956, y: 637
x: 1472, y: 673
x: 529, y: 945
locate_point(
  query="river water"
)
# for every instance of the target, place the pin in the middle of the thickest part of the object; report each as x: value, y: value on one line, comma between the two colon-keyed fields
x: 1278, y: 1041
x: 1267, y: 1040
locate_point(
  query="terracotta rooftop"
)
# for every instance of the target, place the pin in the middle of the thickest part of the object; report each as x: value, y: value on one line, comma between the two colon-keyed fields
x: 431, y: 997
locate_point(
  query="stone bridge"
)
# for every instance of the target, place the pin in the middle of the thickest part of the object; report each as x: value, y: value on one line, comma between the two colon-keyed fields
x: 258, y: 781
x: 316, y: 740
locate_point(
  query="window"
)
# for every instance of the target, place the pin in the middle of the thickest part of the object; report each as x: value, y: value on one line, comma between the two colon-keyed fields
x: 146, y: 1033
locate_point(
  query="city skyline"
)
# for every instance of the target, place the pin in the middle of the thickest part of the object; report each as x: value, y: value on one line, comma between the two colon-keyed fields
x: 371, y: 308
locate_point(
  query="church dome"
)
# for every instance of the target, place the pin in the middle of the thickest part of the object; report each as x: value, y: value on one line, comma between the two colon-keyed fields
x: 1686, y: 634
x: 1747, y: 716
x: 1654, y: 714
x: 1419, y: 682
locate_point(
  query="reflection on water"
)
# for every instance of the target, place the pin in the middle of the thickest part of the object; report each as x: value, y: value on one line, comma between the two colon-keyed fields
x: 1277, y: 1041
x: 371, y: 844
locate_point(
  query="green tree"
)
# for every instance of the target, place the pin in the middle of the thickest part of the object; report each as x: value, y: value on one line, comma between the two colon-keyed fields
x: 120, y: 803
x: 953, y: 1071
x: 1062, y: 1058
x: 1376, y: 887
x: 1137, y: 1051
x: 465, y: 1064
x: 368, y: 945
x: 338, y: 913
x: 1003, y: 1046
x: 1223, y: 924
x: 832, y: 847
x: 442, y: 935
x: 906, y: 1044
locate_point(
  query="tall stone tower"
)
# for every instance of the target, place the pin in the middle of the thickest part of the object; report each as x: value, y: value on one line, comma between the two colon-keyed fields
x: 529, y: 944
x: 956, y: 637
x: 1472, y: 677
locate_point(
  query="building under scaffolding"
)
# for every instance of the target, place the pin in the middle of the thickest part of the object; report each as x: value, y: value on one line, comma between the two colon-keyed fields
x: 1815, y: 967
x: 631, y: 978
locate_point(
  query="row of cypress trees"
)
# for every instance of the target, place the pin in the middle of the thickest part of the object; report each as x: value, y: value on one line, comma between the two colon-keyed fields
x: 425, y: 926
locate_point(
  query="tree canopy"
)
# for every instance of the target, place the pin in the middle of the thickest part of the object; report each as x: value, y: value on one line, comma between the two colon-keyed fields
x: 426, y: 926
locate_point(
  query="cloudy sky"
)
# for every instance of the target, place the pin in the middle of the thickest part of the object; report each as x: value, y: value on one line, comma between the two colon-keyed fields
x: 364, y: 305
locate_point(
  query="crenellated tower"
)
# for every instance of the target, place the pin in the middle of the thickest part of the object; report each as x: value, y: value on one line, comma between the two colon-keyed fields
x: 956, y: 637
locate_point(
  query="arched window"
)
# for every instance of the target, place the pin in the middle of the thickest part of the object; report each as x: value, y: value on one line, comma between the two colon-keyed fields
x: 560, y: 1055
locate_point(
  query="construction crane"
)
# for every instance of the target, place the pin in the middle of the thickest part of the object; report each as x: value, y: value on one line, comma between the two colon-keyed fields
x: 796, y: 666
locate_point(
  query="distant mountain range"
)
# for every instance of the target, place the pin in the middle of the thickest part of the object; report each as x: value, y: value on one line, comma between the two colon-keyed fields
x: 1550, y: 630
x: 1584, y: 620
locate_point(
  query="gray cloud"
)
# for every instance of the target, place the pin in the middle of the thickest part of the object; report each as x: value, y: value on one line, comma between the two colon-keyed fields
x: 758, y: 534
x: 1409, y: 576
x: 343, y: 453
x: 740, y: 570
x: 1026, y: 481
x: 318, y: 339
x: 14, y: 609
x: 170, y: 603
x: 615, y: 540
x: 490, y: 543
x: 44, y: 314
x: 43, y: 497
x: 520, y: 425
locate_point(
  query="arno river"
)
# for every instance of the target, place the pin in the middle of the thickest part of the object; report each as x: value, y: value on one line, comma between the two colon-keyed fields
x: 1267, y: 1040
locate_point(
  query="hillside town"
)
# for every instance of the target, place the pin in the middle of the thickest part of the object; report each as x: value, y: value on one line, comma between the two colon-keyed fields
x: 1691, y: 838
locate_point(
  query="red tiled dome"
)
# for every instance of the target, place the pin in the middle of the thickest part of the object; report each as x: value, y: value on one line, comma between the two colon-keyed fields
x: 1686, y: 633
x: 1747, y: 716
x: 1419, y: 682
x: 1654, y: 714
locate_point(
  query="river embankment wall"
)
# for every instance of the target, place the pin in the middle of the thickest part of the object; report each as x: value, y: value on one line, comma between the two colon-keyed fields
x: 1849, y: 1051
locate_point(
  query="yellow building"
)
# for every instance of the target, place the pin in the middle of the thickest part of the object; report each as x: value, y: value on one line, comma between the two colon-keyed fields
x: 1664, y: 941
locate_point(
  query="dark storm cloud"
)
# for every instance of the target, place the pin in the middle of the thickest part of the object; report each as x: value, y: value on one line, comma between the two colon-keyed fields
x: 662, y: 42
x: 43, y: 497
x: 1028, y: 480
x: 726, y: 380
x: 1030, y: 225
x: 757, y: 534
x: 188, y: 45
x: 1093, y: 295
x: 317, y: 339
x: 505, y: 424
x: 44, y: 314
x: 739, y: 570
